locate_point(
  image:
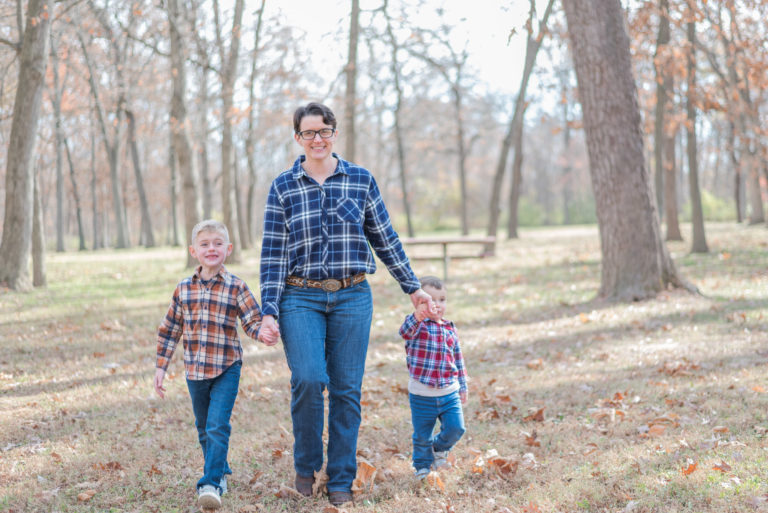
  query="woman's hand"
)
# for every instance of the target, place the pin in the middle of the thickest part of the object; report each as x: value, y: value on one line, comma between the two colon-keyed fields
x: 269, y: 332
x: 420, y: 297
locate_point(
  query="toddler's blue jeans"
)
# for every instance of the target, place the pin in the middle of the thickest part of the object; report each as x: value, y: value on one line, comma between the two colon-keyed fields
x: 425, y: 411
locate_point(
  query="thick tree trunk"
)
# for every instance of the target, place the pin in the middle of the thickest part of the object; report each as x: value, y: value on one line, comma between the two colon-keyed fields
x: 179, y: 128
x: 699, y: 244
x: 146, y: 220
x: 95, y: 213
x: 635, y: 263
x: 38, y: 239
x: 737, y: 181
x: 350, y: 96
x: 16, y: 241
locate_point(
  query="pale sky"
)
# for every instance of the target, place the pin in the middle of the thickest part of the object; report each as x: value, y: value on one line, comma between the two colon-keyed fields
x: 486, y: 23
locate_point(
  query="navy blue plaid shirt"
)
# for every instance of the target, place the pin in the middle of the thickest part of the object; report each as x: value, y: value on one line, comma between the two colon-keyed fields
x: 320, y: 232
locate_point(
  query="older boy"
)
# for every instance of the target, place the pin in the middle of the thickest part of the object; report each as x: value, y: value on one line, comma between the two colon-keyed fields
x: 204, y: 312
x: 438, y: 381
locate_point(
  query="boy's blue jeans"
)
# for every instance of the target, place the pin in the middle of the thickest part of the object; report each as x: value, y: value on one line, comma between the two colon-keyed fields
x: 325, y: 337
x: 212, y: 402
x: 425, y: 411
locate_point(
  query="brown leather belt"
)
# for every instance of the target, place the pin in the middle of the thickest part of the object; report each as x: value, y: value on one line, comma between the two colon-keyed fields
x: 329, y: 285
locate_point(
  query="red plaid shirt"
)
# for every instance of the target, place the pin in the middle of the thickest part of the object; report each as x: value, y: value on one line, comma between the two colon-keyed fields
x: 433, y: 353
x: 205, y: 316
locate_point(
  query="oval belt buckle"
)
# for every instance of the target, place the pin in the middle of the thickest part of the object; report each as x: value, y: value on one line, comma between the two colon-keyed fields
x: 331, y: 285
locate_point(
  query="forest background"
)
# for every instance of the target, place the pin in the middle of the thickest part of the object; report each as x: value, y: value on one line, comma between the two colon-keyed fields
x: 122, y: 124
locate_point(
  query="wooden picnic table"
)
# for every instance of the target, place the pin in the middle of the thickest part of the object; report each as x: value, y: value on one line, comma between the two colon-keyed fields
x: 486, y: 242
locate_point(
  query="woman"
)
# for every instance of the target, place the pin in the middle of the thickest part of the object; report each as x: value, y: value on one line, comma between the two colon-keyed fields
x: 319, y: 219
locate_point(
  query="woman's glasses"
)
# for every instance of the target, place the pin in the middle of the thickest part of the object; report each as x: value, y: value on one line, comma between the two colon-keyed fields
x: 325, y: 133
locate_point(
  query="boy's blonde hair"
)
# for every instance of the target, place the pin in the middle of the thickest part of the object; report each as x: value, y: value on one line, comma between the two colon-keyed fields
x: 210, y: 225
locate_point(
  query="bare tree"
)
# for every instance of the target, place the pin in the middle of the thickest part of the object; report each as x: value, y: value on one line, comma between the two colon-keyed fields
x: 398, y: 114
x: 635, y: 263
x: 699, y: 244
x: 16, y: 243
x: 228, y: 77
x: 250, y: 140
x: 146, y: 221
x: 350, y: 96
x: 514, y: 135
x: 38, y: 238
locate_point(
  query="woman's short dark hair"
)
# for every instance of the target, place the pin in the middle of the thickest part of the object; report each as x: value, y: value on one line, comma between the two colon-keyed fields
x: 431, y: 281
x: 313, y: 109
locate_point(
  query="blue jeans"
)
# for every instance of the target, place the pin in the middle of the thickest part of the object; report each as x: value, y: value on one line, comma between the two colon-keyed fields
x: 212, y: 402
x: 425, y: 411
x: 325, y: 337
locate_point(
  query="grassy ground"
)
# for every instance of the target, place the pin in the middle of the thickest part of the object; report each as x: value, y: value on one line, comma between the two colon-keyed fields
x: 575, y: 406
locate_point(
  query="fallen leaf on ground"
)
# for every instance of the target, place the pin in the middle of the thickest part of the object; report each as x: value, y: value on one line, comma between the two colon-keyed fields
x: 536, y: 364
x: 690, y: 469
x: 722, y: 467
x: 86, y: 495
x: 537, y: 416
x: 288, y: 493
x: 720, y: 429
x: 433, y: 479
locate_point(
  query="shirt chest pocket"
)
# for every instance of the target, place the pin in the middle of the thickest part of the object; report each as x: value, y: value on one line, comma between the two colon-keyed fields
x: 348, y: 211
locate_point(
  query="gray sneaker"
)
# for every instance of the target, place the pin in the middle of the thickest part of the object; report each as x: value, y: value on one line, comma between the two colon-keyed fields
x: 441, y: 460
x: 208, y: 497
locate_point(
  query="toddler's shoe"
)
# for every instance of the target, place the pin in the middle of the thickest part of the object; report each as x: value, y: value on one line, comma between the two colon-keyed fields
x: 208, y: 497
x: 441, y: 460
x: 421, y: 474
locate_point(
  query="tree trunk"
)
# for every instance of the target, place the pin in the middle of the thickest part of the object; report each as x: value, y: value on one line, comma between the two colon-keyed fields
x: 56, y: 104
x: 517, y: 181
x: 173, y: 233
x: 399, y: 139
x: 737, y: 189
x: 699, y: 244
x: 38, y: 239
x: 662, y: 90
x: 228, y: 77
x: 94, y: 194
x: 635, y: 262
x: 112, y: 147
x: 670, y: 182
x: 16, y: 241
x: 350, y: 98
x: 179, y: 129
x: 250, y: 140
x: 146, y: 220
x: 516, y: 123
x: 76, y: 195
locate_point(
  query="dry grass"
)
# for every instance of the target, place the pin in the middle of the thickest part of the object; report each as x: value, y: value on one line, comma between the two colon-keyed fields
x: 652, y: 406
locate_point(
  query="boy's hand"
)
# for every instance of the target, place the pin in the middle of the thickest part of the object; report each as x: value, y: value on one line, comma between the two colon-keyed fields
x: 159, y: 376
x: 420, y: 297
x: 463, y: 396
x: 269, y: 332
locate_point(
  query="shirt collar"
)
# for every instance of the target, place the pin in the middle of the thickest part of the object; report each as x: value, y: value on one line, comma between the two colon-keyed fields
x: 298, y: 171
x: 222, y: 274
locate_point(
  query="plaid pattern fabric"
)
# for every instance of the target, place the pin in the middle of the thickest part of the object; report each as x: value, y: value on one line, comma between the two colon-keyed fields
x: 433, y: 353
x: 320, y: 232
x: 205, y: 317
